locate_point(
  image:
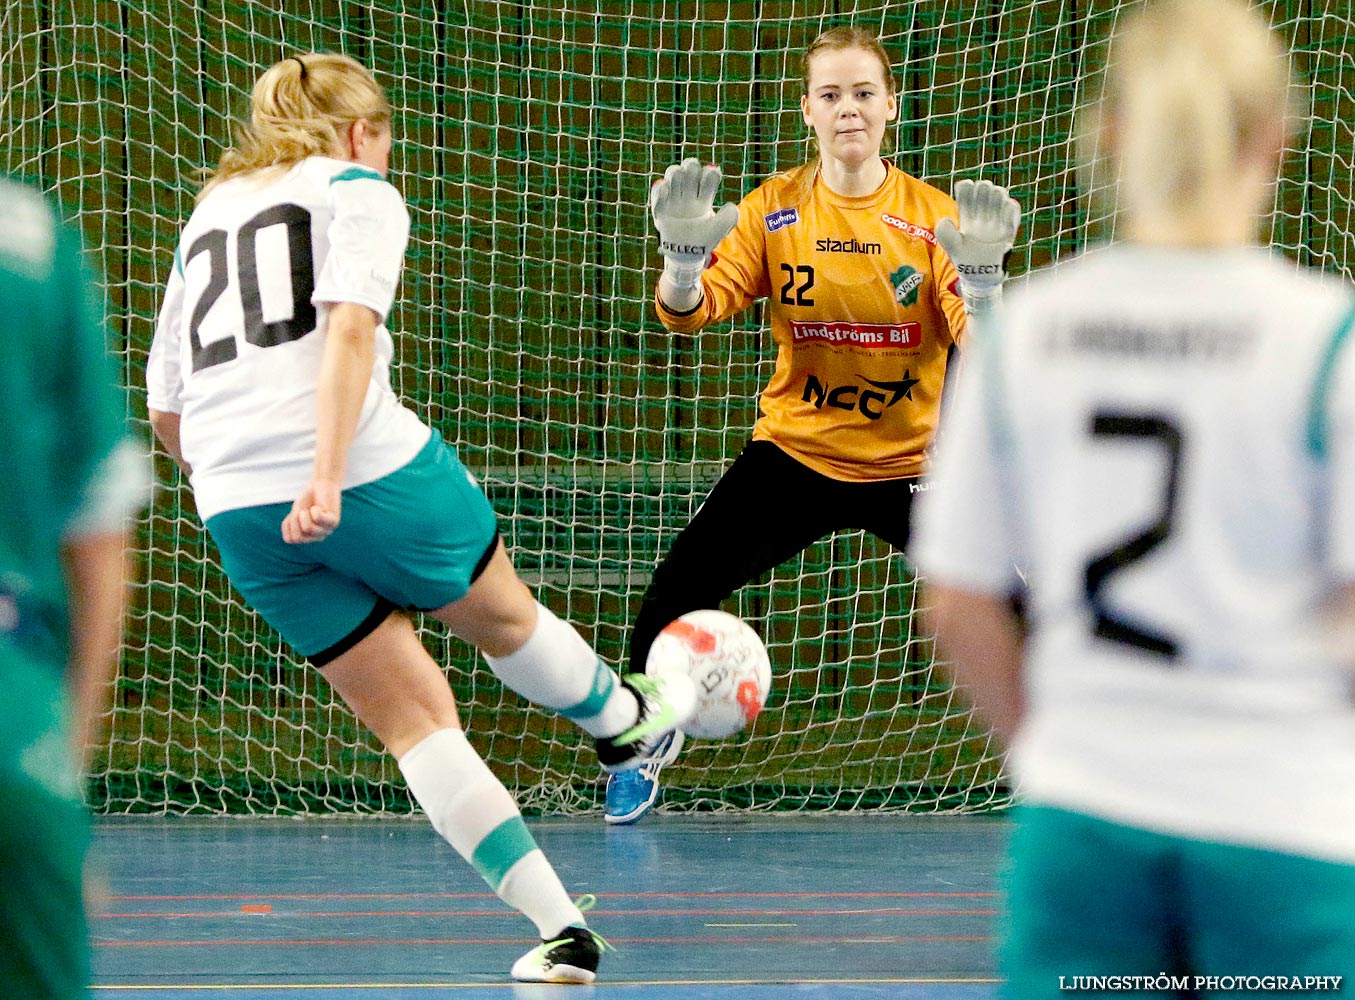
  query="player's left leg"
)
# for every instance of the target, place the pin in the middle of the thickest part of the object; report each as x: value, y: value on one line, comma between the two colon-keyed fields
x: 374, y: 660
x: 426, y: 537
x: 1258, y: 913
x: 44, y: 939
x: 1088, y: 898
x: 885, y: 508
x: 547, y: 662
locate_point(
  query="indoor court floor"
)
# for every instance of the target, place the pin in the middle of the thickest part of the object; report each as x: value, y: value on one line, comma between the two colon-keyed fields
x: 727, y: 907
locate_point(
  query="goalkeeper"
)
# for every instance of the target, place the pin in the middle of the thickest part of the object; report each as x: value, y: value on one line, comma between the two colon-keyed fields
x: 870, y: 285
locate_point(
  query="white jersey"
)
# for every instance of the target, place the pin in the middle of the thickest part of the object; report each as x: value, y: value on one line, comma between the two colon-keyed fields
x: 1164, y: 441
x: 241, y: 334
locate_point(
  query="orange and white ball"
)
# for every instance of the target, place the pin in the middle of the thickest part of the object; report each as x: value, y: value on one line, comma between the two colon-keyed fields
x: 727, y: 661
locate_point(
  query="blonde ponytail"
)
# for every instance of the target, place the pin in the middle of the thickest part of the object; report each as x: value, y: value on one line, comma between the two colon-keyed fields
x: 301, y: 107
x: 1195, y: 88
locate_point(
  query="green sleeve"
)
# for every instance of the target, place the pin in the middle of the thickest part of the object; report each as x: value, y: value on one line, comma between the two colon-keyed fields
x: 88, y: 387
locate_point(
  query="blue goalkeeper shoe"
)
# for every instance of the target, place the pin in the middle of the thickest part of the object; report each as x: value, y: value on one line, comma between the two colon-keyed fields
x: 631, y: 794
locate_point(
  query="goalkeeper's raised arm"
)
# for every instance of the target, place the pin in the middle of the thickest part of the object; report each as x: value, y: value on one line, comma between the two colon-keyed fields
x: 978, y: 246
x: 683, y: 204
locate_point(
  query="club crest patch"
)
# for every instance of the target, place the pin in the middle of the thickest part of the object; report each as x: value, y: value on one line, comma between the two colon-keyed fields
x: 906, y: 281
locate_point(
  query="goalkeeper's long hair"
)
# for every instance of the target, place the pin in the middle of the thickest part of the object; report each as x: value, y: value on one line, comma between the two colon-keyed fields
x: 844, y: 36
x: 1196, y: 102
x: 302, y: 106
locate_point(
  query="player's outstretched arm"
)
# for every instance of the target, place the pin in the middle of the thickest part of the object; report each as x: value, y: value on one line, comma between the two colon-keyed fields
x: 683, y: 206
x: 989, y: 219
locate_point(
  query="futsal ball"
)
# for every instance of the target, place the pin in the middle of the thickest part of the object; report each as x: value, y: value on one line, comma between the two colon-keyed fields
x: 728, y: 662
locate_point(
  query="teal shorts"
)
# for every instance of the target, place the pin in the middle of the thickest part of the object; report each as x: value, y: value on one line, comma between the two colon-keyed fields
x: 1092, y: 898
x: 417, y: 538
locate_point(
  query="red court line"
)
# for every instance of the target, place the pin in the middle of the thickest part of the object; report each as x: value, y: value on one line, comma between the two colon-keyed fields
x: 871, y: 939
x: 600, y: 895
x: 881, y: 911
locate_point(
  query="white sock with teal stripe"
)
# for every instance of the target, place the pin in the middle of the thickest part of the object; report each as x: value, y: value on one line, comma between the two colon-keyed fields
x: 476, y: 815
x: 555, y: 668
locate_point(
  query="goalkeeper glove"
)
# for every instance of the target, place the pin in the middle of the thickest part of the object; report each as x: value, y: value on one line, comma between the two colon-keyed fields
x: 989, y: 218
x: 683, y: 205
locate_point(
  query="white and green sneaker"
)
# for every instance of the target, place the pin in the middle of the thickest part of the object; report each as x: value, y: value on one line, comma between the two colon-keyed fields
x: 666, y: 702
x: 569, y: 957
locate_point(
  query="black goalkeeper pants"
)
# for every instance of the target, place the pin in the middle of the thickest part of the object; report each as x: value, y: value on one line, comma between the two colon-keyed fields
x: 766, y: 508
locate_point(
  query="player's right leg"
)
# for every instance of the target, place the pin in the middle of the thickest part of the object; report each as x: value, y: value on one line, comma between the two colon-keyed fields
x: 398, y: 692
x: 425, y: 537
x: 765, y: 509
x: 1257, y: 912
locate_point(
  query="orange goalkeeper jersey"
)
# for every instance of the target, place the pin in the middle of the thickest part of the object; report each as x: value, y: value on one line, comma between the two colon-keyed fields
x: 864, y: 309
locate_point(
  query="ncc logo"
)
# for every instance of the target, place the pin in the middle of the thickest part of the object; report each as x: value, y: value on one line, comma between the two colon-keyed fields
x: 871, y: 399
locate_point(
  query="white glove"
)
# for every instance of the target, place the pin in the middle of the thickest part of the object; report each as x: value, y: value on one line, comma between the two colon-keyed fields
x: 989, y: 219
x: 683, y: 204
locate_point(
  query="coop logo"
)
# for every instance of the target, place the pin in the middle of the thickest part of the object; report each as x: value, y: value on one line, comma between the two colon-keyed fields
x: 846, y: 246
x: 910, y: 228
x: 906, y: 281
x: 868, y: 335
x: 870, y: 399
x: 781, y: 218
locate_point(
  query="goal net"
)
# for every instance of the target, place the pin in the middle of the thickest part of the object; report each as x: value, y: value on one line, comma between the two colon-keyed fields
x: 527, y: 134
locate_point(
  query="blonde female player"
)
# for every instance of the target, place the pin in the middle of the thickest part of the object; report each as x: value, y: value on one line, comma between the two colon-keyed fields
x: 1163, y: 434
x: 865, y: 307
x: 332, y: 505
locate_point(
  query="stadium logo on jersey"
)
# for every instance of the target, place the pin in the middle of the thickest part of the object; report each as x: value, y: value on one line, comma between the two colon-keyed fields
x: 906, y: 281
x: 868, y: 335
x: 871, y: 399
x: 911, y: 228
x: 781, y: 218
x: 846, y: 246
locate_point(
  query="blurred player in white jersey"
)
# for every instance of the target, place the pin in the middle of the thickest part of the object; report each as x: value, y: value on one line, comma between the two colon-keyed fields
x: 1162, y: 433
x: 334, y: 507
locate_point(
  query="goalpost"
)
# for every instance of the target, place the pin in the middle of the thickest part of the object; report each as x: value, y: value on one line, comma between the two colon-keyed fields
x: 527, y: 134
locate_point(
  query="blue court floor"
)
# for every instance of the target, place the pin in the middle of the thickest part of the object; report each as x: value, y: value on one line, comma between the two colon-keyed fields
x: 732, y: 908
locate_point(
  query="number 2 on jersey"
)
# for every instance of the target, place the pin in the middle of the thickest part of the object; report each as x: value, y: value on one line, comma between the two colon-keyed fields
x: 1157, y: 430
x: 802, y: 291
x: 301, y: 266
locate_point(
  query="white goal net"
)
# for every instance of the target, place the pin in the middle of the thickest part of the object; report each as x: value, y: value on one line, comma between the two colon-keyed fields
x: 527, y: 135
